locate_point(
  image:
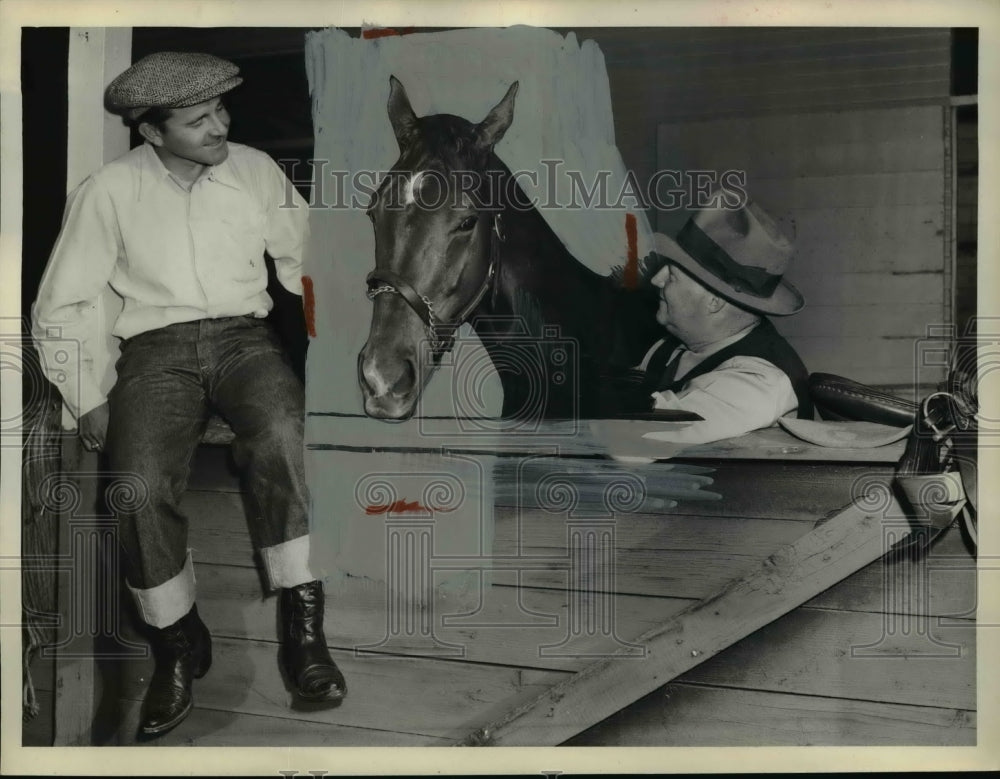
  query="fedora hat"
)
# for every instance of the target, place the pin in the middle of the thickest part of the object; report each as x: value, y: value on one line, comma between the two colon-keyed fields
x: 740, y: 254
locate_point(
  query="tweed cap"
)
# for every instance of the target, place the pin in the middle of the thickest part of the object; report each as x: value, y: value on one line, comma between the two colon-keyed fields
x: 170, y: 79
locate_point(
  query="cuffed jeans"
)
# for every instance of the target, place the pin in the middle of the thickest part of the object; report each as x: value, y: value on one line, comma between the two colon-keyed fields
x: 169, y: 381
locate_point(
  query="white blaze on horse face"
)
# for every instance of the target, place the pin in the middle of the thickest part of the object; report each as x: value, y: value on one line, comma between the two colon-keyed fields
x: 410, y: 190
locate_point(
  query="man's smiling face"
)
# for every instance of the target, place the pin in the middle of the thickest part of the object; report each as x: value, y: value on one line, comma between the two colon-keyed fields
x: 194, y: 134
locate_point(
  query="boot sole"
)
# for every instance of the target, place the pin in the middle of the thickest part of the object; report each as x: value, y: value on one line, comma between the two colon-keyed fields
x: 333, y: 697
x: 158, y: 729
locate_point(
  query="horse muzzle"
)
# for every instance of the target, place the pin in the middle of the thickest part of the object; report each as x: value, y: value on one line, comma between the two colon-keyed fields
x: 389, y: 386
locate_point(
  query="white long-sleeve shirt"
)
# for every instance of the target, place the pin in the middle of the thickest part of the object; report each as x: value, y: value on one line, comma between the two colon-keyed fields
x: 171, y: 254
x: 740, y: 395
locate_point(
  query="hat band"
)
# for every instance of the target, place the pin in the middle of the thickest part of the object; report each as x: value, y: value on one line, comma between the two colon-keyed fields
x: 742, y: 278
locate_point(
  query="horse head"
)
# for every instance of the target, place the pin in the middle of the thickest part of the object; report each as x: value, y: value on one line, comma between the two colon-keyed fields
x: 437, y: 233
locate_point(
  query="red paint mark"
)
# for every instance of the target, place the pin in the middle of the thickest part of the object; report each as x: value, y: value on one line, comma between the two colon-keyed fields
x: 399, y: 507
x: 631, y: 276
x: 309, y: 305
x: 385, y: 32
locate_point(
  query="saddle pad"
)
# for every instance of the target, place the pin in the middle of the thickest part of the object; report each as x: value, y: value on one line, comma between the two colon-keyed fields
x: 844, y: 435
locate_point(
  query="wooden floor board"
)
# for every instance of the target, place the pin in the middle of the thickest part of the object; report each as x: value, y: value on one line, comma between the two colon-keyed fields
x: 858, y: 656
x: 206, y: 727
x: 810, y: 649
x: 401, y: 694
x: 699, y: 716
x: 804, y: 679
x: 668, y: 556
x: 940, y: 582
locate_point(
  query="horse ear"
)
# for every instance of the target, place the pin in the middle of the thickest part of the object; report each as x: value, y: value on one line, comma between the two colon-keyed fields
x: 492, y: 128
x: 404, y: 121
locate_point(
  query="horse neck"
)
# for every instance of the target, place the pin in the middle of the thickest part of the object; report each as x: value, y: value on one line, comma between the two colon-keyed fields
x: 540, y: 283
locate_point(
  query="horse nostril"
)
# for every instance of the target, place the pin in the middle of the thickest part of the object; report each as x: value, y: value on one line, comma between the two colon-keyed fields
x: 407, y: 379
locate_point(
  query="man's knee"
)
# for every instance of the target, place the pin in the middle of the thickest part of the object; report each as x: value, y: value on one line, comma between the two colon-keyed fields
x: 278, y: 433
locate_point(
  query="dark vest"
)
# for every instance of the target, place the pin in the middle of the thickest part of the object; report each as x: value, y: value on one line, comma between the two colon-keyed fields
x: 763, y: 341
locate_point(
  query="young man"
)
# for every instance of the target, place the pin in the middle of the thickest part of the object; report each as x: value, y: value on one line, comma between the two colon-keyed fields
x: 178, y: 228
x: 722, y: 357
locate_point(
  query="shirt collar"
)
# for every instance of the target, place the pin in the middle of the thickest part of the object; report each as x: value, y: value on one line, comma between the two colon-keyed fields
x: 151, y: 163
x: 720, y: 345
x: 223, y: 173
x: 152, y: 166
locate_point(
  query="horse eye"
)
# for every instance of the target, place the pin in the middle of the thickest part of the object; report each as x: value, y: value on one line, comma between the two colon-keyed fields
x: 468, y: 223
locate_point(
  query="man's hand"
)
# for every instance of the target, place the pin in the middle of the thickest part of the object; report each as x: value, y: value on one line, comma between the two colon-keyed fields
x: 94, y: 428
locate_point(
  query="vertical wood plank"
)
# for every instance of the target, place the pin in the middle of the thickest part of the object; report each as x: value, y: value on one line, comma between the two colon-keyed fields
x: 96, y: 55
x: 76, y: 675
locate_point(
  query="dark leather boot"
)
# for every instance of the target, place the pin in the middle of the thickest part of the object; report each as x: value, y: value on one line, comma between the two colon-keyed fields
x: 310, y: 668
x: 183, y: 651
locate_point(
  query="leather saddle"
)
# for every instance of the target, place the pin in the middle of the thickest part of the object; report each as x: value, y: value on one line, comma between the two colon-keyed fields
x: 843, y: 400
x: 937, y: 472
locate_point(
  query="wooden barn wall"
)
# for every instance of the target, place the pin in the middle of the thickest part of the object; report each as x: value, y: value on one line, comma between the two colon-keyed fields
x: 861, y: 193
x: 665, y: 75
x: 844, y: 135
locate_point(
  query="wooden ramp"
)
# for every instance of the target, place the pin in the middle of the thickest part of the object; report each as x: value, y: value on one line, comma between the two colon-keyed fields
x: 545, y: 659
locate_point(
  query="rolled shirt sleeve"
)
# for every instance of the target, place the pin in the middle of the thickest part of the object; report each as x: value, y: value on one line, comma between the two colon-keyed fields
x: 741, y: 395
x: 66, y: 318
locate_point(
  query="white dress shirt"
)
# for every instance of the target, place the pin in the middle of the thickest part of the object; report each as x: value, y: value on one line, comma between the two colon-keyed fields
x: 740, y: 395
x: 171, y: 253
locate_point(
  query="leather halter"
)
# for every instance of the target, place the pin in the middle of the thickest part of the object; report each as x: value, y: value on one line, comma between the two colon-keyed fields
x: 424, y: 307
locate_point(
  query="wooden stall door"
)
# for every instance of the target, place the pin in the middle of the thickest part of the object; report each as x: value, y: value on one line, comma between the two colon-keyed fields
x: 862, y: 194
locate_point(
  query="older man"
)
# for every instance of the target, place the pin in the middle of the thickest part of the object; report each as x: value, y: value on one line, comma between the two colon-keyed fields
x: 178, y: 228
x: 722, y: 358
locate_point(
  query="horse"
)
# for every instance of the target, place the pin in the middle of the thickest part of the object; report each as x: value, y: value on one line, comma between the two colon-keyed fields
x: 457, y: 240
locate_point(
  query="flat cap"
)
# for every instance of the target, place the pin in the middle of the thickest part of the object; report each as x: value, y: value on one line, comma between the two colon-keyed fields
x: 170, y: 79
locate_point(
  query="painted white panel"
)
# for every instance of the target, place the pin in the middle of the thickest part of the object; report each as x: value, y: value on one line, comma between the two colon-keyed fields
x: 562, y: 112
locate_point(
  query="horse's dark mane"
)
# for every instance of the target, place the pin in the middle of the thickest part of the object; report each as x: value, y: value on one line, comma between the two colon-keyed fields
x: 611, y: 322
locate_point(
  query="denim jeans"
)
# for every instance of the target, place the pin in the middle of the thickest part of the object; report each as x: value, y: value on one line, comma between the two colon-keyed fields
x: 169, y: 382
